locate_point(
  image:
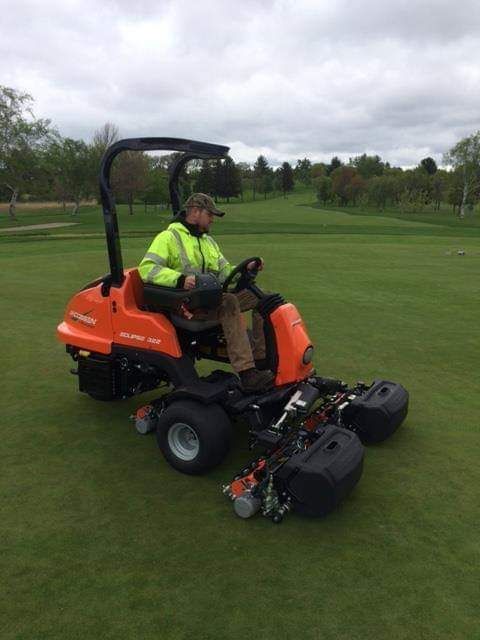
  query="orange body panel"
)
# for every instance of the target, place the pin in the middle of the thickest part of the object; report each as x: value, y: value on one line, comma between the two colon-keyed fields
x: 87, y: 322
x: 292, y: 341
x: 93, y: 322
x: 134, y: 327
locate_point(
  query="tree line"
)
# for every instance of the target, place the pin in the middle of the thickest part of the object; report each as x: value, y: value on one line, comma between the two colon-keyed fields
x: 367, y: 180
x: 37, y: 163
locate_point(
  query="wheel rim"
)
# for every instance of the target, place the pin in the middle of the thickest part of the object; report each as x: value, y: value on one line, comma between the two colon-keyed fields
x: 183, y: 441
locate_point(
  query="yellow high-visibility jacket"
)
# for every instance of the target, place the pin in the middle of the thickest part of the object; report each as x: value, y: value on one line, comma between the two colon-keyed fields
x: 176, y: 252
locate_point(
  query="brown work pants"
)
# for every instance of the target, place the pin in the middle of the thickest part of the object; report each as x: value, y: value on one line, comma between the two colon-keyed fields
x: 241, y: 353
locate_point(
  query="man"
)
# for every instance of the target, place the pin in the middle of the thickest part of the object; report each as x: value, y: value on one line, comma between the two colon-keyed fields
x: 184, y: 249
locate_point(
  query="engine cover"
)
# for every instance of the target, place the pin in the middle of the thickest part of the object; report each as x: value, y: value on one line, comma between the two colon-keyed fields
x: 111, y: 378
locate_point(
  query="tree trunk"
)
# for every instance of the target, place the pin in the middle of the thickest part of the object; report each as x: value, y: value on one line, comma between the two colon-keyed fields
x: 63, y: 205
x: 12, y: 207
x: 130, y: 204
x: 464, y: 194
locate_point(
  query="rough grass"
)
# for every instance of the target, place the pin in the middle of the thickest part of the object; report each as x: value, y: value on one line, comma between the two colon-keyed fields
x: 101, y: 539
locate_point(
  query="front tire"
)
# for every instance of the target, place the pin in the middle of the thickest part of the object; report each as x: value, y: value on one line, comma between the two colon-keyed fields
x: 193, y: 437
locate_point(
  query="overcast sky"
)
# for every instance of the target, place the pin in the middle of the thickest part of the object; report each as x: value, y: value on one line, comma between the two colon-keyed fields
x: 284, y: 78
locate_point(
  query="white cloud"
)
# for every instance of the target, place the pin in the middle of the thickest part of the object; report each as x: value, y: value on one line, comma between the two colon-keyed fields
x: 283, y: 78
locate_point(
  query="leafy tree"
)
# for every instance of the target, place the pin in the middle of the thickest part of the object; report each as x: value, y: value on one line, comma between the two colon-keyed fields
x: 130, y: 176
x: 205, y: 181
x: 303, y: 171
x: 260, y: 170
x: 335, y: 163
x: 70, y: 164
x: 355, y: 188
x: 465, y: 155
x: 396, y: 176
x: 232, y: 185
x: 323, y: 186
x: 246, y: 177
x: 417, y: 189
x: 429, y: 165
x: 268, y: 182
x: 218, y: 178
x: 166, y: 161
x: 368, y: 166
x: 455, y: 190
x: 156, y: 188
x: 229, y: 184
x: 184, y: 186
x: 439, y: 187
x: 23, y: 138
x: 347, y: 184
x: 318, y: 169
x: 286, y: 178
x: 382, y: 189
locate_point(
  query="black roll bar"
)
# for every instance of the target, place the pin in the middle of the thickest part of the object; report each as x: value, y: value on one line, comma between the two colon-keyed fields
x: 191, y: 149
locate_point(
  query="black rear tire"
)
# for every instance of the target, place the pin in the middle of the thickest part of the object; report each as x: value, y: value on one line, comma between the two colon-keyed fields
x: 194, y: 437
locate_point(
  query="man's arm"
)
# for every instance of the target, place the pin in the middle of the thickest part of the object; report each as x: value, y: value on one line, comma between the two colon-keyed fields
x: 221, y: 265
x: 155, y: 269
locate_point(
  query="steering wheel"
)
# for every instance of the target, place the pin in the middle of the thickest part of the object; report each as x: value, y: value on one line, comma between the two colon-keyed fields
x: 241, y: 277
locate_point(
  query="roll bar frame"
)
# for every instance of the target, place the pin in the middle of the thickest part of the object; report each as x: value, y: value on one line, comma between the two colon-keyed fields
x: 191, y: 150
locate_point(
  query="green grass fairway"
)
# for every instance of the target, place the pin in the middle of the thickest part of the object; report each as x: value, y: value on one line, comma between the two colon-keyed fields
x: 102, y: 540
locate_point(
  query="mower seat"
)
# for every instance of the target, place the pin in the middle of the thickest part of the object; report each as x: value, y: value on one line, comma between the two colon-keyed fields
x: 193, y: 325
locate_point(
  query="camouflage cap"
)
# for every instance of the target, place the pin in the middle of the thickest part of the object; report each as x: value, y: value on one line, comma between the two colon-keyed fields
x: 202, y: 201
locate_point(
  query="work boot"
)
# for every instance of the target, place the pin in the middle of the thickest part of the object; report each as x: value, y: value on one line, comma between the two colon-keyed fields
x: 255, y: 380
x: 261, y: 364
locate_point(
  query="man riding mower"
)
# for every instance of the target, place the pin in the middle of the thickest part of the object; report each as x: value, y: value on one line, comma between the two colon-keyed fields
x: 184, y: 251
x: 128, y: 336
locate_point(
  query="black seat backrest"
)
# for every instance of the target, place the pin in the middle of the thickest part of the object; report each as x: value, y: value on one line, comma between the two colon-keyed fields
x: 160, y: 298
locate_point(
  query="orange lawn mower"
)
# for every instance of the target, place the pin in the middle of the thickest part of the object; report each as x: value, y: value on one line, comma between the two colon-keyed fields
x: 128, y: 337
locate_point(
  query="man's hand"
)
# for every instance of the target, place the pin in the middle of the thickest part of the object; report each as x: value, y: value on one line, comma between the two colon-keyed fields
x: 189, y: 282
x: 185, y: 312
x: 254, y: 265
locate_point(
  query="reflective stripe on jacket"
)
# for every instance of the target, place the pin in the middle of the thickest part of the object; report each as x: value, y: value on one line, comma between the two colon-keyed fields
x: 176, y: 252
